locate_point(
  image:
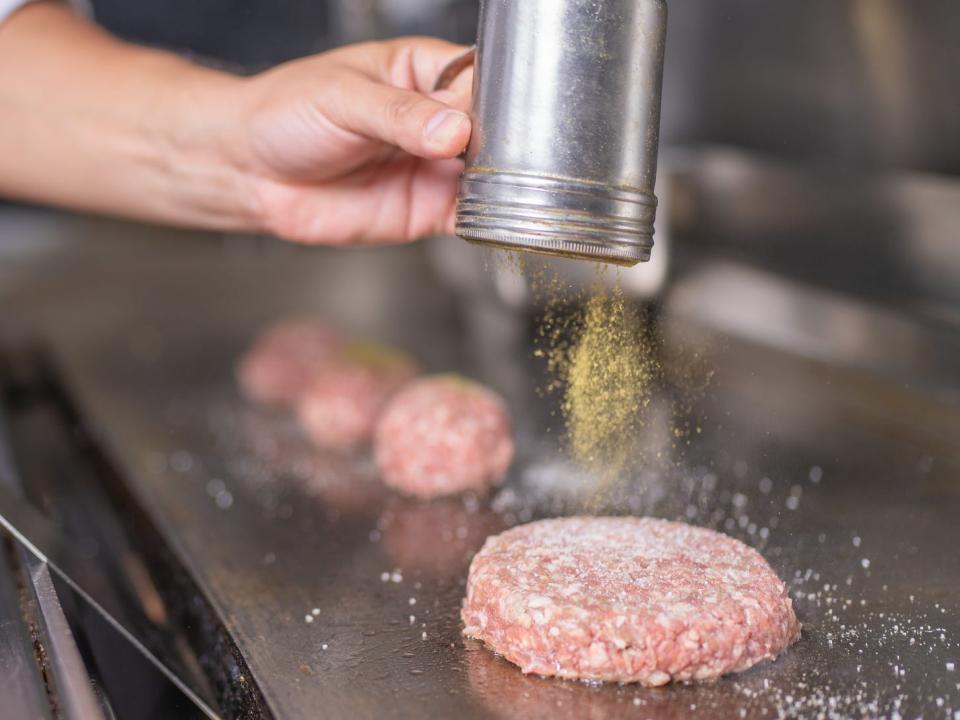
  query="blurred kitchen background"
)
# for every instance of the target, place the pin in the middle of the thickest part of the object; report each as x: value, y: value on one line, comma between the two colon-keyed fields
x: 816, y: 141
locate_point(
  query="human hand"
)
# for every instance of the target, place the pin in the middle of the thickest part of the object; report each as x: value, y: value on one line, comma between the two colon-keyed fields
x: 345, y: 147
x: 352, y: 146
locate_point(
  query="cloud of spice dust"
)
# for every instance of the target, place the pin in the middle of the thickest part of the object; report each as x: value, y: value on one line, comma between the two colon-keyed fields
x: 604, y: 360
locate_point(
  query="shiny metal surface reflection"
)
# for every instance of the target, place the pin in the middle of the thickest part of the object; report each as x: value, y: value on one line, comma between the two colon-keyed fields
x: 566, y: 114
x: 796, y: 456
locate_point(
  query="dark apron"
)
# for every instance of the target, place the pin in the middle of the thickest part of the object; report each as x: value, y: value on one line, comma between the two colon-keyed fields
x: 249, y: 35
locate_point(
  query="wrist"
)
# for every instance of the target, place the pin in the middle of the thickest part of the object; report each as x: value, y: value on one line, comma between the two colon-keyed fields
x: 196, y: 126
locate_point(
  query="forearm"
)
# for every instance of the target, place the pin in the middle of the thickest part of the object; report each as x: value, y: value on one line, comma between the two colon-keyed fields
x: 92, y: 123
x: 343, y: 147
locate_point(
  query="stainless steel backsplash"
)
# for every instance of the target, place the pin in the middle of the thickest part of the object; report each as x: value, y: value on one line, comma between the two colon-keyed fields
x: 867, y: 83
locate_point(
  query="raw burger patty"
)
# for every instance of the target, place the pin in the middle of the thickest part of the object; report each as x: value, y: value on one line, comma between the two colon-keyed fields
x: 442, y: 436
x: 626, y: 599
x: 340, y: 407
x: 279, y: 366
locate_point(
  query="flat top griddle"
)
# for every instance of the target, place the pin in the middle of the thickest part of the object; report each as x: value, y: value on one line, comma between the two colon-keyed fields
x: 848, y: 483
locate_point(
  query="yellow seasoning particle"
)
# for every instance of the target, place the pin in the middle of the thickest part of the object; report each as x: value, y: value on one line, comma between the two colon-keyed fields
x: 608, y: 378
x: 618, y: 403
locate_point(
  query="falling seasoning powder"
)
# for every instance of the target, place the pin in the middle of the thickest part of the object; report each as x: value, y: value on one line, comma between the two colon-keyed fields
x: 608, y: 374
x: 601, y: 364
x: 602, y: 357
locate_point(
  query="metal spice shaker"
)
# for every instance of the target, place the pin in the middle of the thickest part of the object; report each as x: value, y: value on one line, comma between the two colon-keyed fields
x: 566, y: 113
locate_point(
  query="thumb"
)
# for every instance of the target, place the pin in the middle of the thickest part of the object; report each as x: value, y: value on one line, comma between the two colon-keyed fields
x: 421, y: 125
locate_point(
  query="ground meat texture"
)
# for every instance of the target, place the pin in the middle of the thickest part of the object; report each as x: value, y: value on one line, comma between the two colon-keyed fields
x: 627, y: 600
x: 279, y: 366
x: 443, y: 436
x: 339, y: 410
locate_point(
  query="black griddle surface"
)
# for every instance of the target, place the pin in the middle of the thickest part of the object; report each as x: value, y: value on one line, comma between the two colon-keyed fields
x: 849, y: 483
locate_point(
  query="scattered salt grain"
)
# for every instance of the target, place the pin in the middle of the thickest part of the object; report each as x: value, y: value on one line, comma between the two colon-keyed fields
x: 224, y: 499
x: 181, y: 461
x: 215, y: 486
x: 470, y: 503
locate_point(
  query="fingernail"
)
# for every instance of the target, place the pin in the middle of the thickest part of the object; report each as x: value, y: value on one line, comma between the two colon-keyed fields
x: 445, y: 125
